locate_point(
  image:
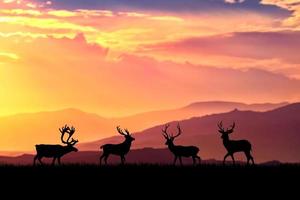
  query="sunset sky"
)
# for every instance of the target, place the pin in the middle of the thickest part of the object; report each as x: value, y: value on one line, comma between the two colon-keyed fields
x: 119, y: 57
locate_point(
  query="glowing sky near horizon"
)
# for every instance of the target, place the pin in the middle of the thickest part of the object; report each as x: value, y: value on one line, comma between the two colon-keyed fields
x: 121, y: 57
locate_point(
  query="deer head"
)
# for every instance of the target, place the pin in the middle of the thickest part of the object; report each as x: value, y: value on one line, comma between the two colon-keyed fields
x: 70, y: 131
x: 226, y: 132
x: 170, y: 137
x: 127, y: 135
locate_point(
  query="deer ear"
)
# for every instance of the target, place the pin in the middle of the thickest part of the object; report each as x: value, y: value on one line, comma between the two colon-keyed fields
x: 220, y: 131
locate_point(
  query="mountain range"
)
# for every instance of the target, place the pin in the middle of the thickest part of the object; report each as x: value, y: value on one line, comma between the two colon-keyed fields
x: 274, y: 134
x: 22, y: 131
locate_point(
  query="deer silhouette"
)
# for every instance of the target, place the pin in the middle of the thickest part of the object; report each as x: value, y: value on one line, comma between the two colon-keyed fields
x: 180, y: 151
x: 56, y: 151
x: 233, y: 146
x: 117, y: 149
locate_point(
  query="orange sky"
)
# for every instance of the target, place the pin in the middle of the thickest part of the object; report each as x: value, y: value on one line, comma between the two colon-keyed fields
x: 123, y: 59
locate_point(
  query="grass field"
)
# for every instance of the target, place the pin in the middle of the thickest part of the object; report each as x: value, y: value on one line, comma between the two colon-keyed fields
x: 152, y: 171
x: 156, y: 178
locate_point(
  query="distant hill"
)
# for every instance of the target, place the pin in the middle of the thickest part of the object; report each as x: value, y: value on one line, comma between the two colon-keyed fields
x: 145, y: 120
x: 21, y: 132
x: 274, y: 134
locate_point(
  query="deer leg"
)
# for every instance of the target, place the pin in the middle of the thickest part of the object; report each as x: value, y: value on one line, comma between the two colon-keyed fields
x: 53, y: 161
x: 199, y: 159
x: 252, y: 160
x: 175, y: 159
x: 225, y: 158
x: 232, y: 159
x: 34, y: 160
x: 58, y: 160
x: 249, y: 157
x: 40, y: 160
x: 122, y: 159
x: 105, y: 159
x: 101, y: 157
x: 194, y: 160
x: 180, y: 160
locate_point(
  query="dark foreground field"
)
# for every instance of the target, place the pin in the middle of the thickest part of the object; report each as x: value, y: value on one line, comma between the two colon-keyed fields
x: 151, y: 178
x: 150, y: 172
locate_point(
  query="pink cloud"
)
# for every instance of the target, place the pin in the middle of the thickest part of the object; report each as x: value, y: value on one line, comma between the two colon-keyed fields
x: 73, y: 73
x: 255, y: 45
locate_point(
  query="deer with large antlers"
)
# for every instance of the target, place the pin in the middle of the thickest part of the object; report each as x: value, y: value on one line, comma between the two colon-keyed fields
x: 233, y: 146
x: 117, y: 149
x: 57, y: 151
x: 177, y: 150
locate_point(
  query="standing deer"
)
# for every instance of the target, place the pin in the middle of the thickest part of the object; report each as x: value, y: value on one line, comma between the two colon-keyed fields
x: 180, y: 151
x: 56, y: 151
x: 117, y: 149
x: 233, y: 146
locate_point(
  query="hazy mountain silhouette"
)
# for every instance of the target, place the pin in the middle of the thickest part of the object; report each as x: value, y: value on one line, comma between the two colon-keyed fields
x: 274, y: 134
x: 148, y: 119
x: 26, y: 130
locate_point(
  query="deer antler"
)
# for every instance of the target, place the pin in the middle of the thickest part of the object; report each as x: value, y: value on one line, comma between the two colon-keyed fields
x: 73, y: 142
x: 71, y: 132
x: 220, y: 126
x: 66, y: 129
x: 127, y: 132
x: 164, y: 130
x: 120, y: 130
x: 230, y: 130
x: 179, y: 131
x: 63, y: 131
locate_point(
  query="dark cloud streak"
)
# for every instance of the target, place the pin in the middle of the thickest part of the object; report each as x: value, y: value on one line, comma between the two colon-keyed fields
x: 193, y: 6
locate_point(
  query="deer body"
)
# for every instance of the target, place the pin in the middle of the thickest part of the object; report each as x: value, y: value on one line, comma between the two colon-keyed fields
x: 117, y: 149
x: 49, y: 151
x: 183, y: 151
x: 56, y: 151
x: 234, y: 146
x: 178, y: 150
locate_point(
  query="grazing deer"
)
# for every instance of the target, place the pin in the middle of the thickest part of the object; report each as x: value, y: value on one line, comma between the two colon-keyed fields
x: 56, y: 151
x: 233, y: 146
x: 117, y: 149
x: 180, y: 151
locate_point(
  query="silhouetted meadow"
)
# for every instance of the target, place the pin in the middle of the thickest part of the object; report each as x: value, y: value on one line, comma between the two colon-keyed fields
x: 151, y: 180
x: 151, y: 171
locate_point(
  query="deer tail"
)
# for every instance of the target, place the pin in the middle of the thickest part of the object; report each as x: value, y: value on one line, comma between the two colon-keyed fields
x: 102, y: 147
